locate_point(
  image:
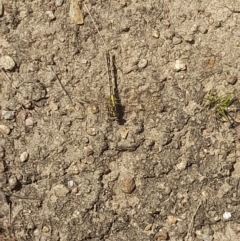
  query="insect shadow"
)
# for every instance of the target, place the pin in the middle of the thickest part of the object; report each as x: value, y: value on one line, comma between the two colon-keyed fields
x: 120, y: 108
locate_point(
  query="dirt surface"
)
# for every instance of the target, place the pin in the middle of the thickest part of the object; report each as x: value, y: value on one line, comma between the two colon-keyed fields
x: 168, y: 171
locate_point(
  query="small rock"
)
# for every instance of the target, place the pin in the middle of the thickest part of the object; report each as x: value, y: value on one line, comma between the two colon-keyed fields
x: 217, y: 24
x: 45, y: 229
x: 12, y: 182
x: 91, y: 131
x: 203, y: 29
x: 1, y: 8
x: 75, y: 13
x: 74, y: 190
x: 223, y: 190
x: 148, y: 227
x: 123, y: 133
x: 24, y: 156
x: 232, y: 79
x: 29, y: 121
x: 155, y: 33
x: 142, y: 63
x: 125, y: 26
x: 189, y: 38
x: 172, y: 219
x: 179, y: 65
x: 123, y: 3
x: 85, y: 140
x: 5, y: 129
x: 8, y: 115
x: 7, y: 63
x: 60, y: 190
x: 70, y: 183
x: 58, y: 3
x: 227, y: 215
x: 194, y: 28
x: 149, y: 142
x: 161, y: 235
x: 50, y: 15
x: 176, y: 40
x: 88, y: 151
x: 21, y: 116
x: 167, y: 190
x: 128, y: 185
x: 181, y: 166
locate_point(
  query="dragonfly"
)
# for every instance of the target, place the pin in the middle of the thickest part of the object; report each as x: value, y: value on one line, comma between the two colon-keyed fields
x: 114, y: 102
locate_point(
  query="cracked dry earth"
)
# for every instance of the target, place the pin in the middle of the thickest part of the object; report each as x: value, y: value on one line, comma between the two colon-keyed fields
x: 169, y: 171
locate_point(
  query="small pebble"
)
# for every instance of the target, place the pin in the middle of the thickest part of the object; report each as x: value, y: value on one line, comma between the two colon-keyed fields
x: 123, y: 133
x: 225, y: 188
x: 60, y: 190
x: 155, y: 33
x: 179, y: 65
x: 128, y: 185
x: 168, y: 190
x: 85, y: 140
x: 142, y: 63
x: 24, y: 156
x: 227, y: 215
x: 74, y: 190
x: 194, y: 28
x: 176, y: 40
x: 149, y: 142
x: 75, y: 13
x: 189, y: 38
x: 91, y: 131
x: 12, y: 182
x: 5, y: 129
x: 58, y: 3
x: 231, y: 79
x: 88, y: 151
x: 8, y: 115
x: 203, y: 29
x: 148, y: 227
x: 217, y: 24
x: 7, y: 63
x: 161, y: 235
x: 172, y: 219
x: 29, y: 121
x: 45, y: 229
x: 21, y: 116
x: 50, y: 15
x: 182, y: 165
x: 70, y: 183
x: 123, y: 3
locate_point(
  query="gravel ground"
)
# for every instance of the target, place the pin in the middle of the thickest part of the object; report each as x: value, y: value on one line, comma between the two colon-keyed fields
x: 168, y: 169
